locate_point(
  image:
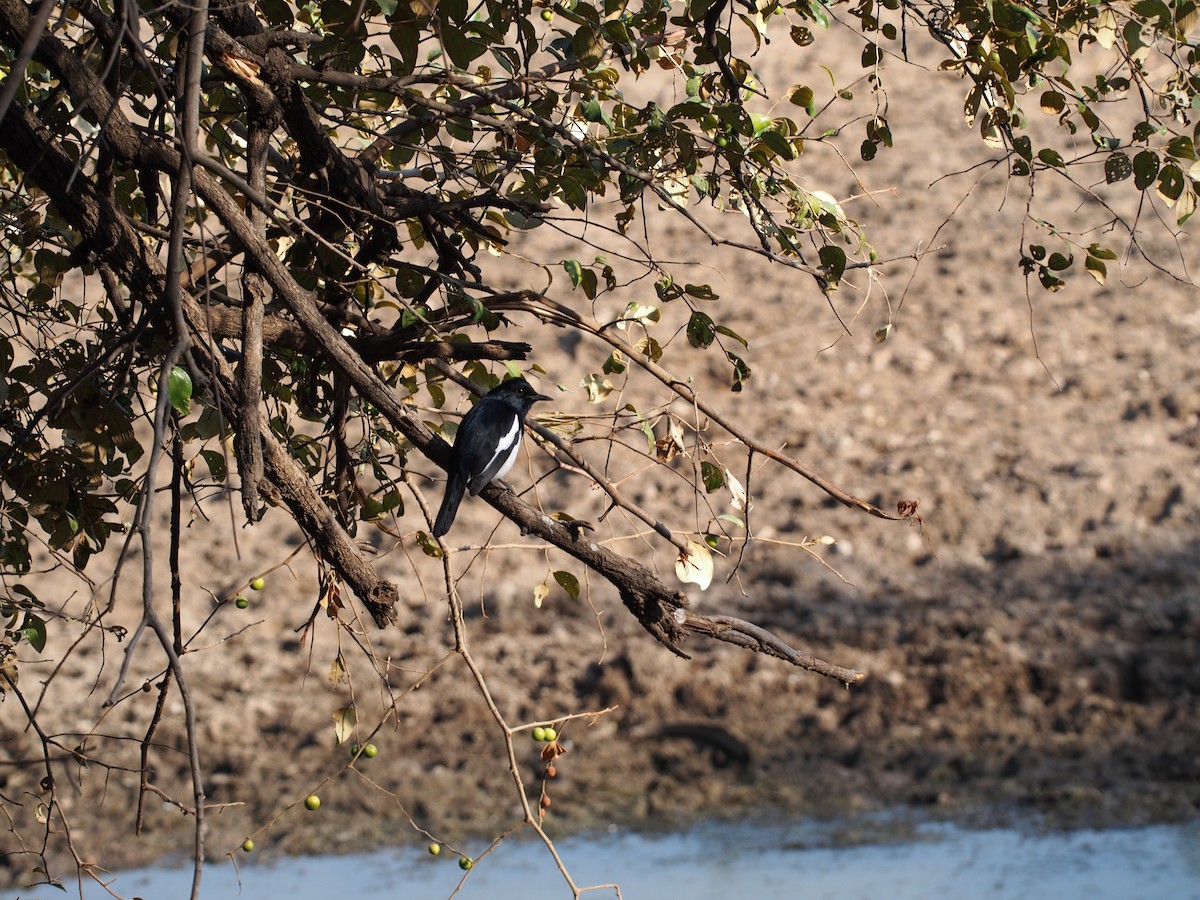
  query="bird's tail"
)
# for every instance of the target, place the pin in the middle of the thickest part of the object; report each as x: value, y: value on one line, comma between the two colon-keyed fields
x: 454, y: 494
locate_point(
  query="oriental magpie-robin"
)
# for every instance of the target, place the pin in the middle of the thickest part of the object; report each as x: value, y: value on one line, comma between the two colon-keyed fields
x: 486, y: 446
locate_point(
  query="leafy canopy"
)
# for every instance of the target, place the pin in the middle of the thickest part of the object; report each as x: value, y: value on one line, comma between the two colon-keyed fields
x: 379, y: 156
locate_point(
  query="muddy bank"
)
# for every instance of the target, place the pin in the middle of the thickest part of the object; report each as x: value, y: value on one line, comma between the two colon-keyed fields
x: 1010, y: 690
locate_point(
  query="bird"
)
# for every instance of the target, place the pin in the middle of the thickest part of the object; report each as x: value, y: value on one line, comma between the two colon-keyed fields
x: 486, y: 445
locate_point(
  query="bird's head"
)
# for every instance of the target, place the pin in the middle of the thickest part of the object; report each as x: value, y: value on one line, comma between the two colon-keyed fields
x: 517, y: 392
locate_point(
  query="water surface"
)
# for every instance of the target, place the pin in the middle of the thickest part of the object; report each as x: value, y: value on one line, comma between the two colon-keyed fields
x: 717, y: 862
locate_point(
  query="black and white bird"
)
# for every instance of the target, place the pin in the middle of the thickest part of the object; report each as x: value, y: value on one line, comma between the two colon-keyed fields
x: 488, y: 440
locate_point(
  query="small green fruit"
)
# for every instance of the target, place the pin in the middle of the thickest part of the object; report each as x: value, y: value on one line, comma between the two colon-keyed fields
x: 551, y: 734
x: 258, y: 584
x: 248, y: 845
x: 547, y: 15
x: 435, y: 848
x: 539, y: 733
x: 312, y: 801
x: 465, y: 863
x: 241, y: 602
x: 354, y: 750
x: 370, y: 751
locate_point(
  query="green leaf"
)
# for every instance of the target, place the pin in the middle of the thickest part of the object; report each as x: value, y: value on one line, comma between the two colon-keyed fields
x: 461, y: 49
x: 1052, y: 103
x: 1049, y: 280
x: 700, y: 292
x: 833, y: 259
x: 778, y: 144
x: 590, y: 283
x: 741, y: 371
x: 713, y: 477
x: 574, y: 270
x: 568, y: 583
x: 1142, y: 131
x: 1153, y: 9
x: 1096, y: 269
x: 651, y: 348
x: 587, y: 47
x: 700, y: 330
x: 1145, y: 169
x: 33, y: 629
x: 1051, y: 158
x: 729, y: 332
x: 429, y: 546
x: 1117, y: 167
x: 615, y: 364
x: 1101, y: 252
x: 647, y: 430
x: 1059, y: 263
x: 387, y: 7
x: 760, y: 123
x: 879, y: 131
x: 1089, y: 117
x: 216, y: 464
x: 1170, y: 183
x: 1181, y: 147
x: 179, y: 389
x: 802, y: 95
x: 818, y: 13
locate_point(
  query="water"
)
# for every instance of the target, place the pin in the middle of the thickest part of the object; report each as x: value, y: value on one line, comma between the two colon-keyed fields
x: 717, y: 862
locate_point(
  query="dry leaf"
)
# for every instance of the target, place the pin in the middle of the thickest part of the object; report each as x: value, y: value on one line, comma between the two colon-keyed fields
x: 695, y: 565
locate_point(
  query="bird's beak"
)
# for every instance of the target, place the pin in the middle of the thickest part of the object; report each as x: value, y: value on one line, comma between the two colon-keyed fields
x: 537, y: 397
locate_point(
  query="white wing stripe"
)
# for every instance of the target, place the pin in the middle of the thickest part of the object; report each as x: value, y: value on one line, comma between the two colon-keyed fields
x: 508, y: 463
x: 506, y: 447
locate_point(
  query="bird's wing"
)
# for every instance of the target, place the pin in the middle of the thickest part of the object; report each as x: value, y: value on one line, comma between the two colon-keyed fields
x: 490, y: 436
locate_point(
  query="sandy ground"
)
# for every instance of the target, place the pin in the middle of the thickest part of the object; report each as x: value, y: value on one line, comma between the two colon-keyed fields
x: 1036, y: 654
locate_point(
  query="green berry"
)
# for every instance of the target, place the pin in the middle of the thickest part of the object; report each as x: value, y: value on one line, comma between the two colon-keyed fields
x: 312, y: 801
x: 465, y: 863
x: 258, y: 583
x: 248, y: 845
x: 551, y: 734
x: 435, y: 848
x: 354, y: 750
x: 241, y: 602
x: 547, y: 15
x: 370, y: 751
x: 539, y: 733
